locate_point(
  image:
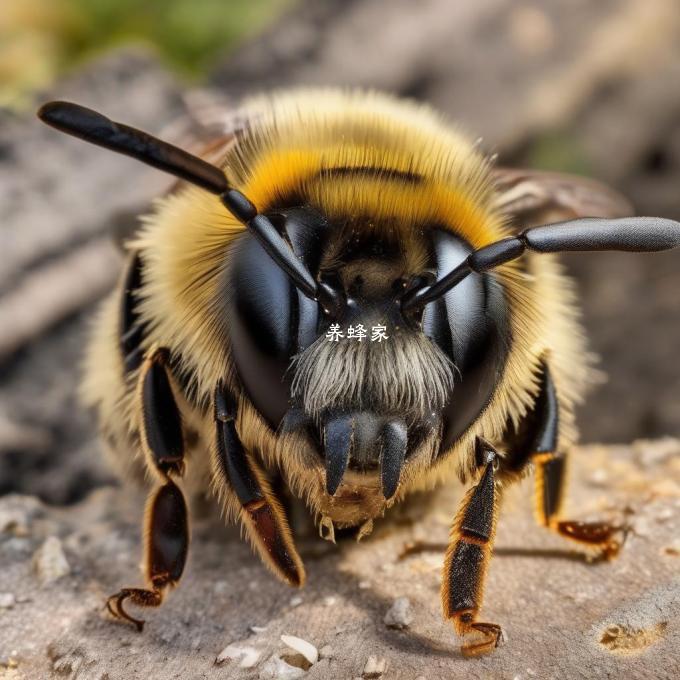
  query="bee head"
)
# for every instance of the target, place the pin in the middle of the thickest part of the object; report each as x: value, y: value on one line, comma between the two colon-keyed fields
x: 345, y: 371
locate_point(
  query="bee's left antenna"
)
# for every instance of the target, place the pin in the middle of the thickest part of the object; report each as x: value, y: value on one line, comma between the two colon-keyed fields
x: 95, y: 128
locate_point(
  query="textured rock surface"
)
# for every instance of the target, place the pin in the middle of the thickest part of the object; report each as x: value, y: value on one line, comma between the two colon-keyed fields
x: 60, y: 204
x: 590, y: 86
x: 563, y: 617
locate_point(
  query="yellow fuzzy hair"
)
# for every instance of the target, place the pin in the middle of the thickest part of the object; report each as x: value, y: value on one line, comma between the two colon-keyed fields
x: 291, y: 138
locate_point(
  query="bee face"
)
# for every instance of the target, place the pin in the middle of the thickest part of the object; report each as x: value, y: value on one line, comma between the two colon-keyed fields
x: 304, y: 373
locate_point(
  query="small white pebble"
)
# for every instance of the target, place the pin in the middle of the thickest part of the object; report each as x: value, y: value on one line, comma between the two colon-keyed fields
x: 307, y: 649
x: 374, y: 667
x: 326, y: 652
x: 599, y: 477
x: 257, y: 629
x: 330, y: 600
x: 364, y: 585
x: 400, y: 614
x: 49, y: 561
x: 295, y: 601
x: 7, y: 600
x: 277, y: 669
x: 246, y: 655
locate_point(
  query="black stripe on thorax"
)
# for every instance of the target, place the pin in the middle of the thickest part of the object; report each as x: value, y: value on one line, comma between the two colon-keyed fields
x: 373, y: 172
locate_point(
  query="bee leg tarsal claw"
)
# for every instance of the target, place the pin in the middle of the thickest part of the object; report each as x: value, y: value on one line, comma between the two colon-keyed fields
x: 467, y: 558
x: 606, y: 538
x: 138, y: 596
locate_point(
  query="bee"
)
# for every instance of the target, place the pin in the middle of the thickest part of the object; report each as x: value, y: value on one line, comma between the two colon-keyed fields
x: 224, y: 360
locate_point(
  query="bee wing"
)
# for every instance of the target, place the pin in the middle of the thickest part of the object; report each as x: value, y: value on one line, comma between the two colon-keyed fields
x: 534, y: 197
x: 212, y: 114
x: 209, y: 126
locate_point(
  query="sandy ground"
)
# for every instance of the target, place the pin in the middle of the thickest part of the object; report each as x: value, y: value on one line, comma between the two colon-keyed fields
x: 563, y: 617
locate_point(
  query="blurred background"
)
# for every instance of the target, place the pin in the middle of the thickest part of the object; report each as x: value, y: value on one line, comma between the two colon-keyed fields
x: 570, y: 85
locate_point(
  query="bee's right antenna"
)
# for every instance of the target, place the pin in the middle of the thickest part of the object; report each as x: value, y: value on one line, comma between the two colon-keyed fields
x: 632, y: 234
x: 96, y: 128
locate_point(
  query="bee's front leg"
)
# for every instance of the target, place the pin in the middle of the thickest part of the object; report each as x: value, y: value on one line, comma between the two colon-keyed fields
x: 261, y: 514
x: 467, y: 557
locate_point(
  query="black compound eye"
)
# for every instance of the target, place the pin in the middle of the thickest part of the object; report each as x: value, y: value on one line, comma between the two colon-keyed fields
x: 470, y: 324
x: 268, y: 319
